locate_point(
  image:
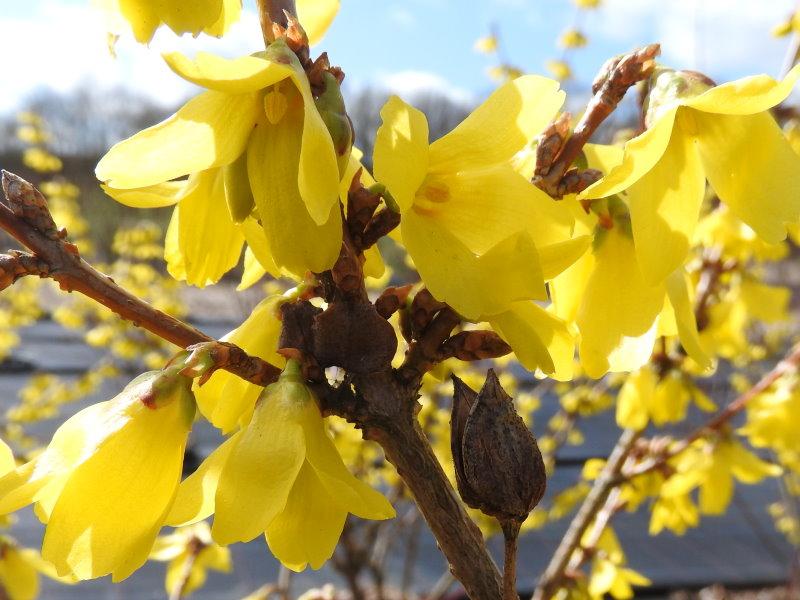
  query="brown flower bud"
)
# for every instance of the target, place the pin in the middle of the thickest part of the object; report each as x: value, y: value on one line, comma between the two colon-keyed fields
x: 499, y: 468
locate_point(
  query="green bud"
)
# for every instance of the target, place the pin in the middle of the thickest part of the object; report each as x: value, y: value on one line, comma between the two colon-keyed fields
x: 159, y: 389
x: 667, y: 87
x: 238, y: 194
x: 331, y: 107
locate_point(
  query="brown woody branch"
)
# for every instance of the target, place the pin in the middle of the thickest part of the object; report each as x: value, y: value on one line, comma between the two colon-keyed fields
x: 557, y: 152
x: 28, y: 220
x: 274, y: 12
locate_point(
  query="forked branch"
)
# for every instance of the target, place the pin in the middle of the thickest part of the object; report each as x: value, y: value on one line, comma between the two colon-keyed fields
x: 27, y: 218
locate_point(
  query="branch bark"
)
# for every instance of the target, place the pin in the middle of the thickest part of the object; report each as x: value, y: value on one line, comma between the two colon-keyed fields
x: 790, y: 363
x: 556, y: 154
x: 386, y: 413
x: 272, y: 11
x: 28, y: 220
x: 593, y: 503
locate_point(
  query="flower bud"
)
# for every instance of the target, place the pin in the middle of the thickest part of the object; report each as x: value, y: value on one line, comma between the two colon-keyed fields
x: 499, y: 468
x: 330, y: 105
x: 667, y: 87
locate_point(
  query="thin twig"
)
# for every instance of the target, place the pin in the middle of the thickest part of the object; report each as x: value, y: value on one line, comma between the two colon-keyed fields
x: 616, y: 77
x: 194, y: 548
x: 788, y: 364
x: 510, y: 543
x: 28, y: 220
x: 593, y: 502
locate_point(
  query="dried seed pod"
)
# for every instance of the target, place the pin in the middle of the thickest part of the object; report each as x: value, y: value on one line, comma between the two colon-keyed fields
x: 499, y: 468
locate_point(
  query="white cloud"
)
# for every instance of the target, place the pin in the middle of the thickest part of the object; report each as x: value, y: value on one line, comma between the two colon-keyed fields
x: 63, y: 45
x: 412, y: 84
x: 402, y: 17
x: 720, y: 37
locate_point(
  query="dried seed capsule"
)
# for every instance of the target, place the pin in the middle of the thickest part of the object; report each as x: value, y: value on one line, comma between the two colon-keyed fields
x: 499, y: 468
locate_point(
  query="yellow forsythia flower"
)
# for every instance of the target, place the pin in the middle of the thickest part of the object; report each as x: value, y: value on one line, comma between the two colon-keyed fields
x: 254, y: 140
x: 227, y: 400
x: 711, y: 466
x: 724, y: 134
x: 486, y: 44
x: 606, y: 296
x: 559, y: 69
x: 281, y: 476
x: 190, y: 547
x: 487, y: 269
x: 145, y: 16
x: 572, y: 38
x: 108, y: 478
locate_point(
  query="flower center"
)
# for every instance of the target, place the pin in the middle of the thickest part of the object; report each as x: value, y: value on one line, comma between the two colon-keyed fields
x: 275, y: 104
x: 431, y: 195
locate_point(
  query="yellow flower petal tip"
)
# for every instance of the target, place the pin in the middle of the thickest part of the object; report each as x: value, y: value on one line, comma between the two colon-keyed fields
x: 106, y: 481
x: 283, y: 477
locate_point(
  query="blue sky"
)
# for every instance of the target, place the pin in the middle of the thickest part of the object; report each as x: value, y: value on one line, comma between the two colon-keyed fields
x: 404, y: 46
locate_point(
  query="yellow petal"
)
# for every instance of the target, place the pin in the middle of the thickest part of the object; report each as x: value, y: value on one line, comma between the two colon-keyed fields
x: 260, y: 471
x: 753, y: 169
x: 747, y: 467
x: 204, y: 13
x: 154, y: 196
x: 503, y: 125
x: 400, y: 156
x: 208, y: 131
x: 678, y: 291
x: 556, y: 258
x: 345, y: 490
x: 746, y: 96
x: 767, y: 303
x: 618, y: 303
x: 231, y: 11
x: 641, y: 154
x: 209, y: 244
x: 72, y: 443
x: 467, y: 197
x: 226, y: 399
x: 232, y: 76
x: 258, y: 245
x: 665, y: 207
x: 635, y: 395
x: 566, y: 290
x: 317, y: 171
x: 195, y: 498
x: 539, y: 339
x: 238, y: 195
x: 473, y: 286
x: 252, y: 271
x: 316, y: 17
x: 297, y: 242
x: 18, y: 578
x: 7, y: 462
x: 109, y: 512
x: 716, y: 491
x: 143, y: 18
x: 308, y: 529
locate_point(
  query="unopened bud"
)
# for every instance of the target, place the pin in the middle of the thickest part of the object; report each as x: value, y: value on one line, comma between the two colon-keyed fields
x: 158, y: 389
x: 499, y: 468
x: 330, y: 105
x: 667, y: 87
